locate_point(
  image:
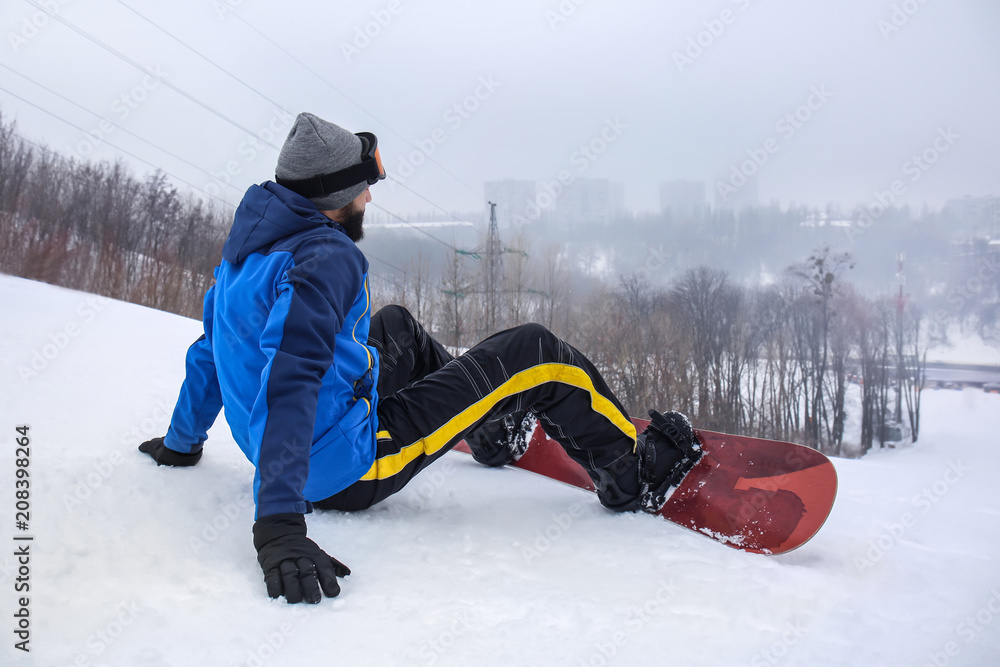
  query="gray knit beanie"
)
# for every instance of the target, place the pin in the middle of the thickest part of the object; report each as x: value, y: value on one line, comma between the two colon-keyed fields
x: 314, y: 147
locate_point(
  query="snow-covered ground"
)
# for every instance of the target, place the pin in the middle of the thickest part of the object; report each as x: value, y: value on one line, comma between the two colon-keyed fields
x: 965, y: 347
x: 137, y: 565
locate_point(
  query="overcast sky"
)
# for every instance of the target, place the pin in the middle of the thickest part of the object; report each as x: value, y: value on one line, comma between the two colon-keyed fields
x: 824, y: 101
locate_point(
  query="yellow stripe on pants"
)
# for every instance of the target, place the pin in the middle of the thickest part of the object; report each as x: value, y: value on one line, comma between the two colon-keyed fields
x: 535, y: 376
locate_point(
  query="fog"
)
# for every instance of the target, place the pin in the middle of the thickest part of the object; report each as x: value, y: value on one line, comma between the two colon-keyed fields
x: 834, y: 99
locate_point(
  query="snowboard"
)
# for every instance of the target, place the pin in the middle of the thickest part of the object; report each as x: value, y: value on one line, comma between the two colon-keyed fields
x: 755, y: 495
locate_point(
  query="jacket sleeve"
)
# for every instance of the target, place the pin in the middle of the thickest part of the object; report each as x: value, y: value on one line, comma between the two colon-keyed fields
x: 313, y: 300
x: 200, y: 399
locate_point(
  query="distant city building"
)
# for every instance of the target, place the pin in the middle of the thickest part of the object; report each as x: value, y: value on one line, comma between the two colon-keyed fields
x: 515, y: 201
x: 581, y: 201
x: 588, y: 200
x: 979, y: 215
x: 735, y: 191
x: 685, y: 199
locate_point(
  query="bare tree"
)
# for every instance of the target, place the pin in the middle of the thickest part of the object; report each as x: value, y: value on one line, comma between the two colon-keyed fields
x: 821, y: 275
x: 913, y: 358
x: 455, y: 284
x: 707, y: 307
x: 554, y: 281
x: 519, y: 296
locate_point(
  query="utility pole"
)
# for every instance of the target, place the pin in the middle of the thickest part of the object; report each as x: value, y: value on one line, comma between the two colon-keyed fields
x: 492, y: 277
x: 494, y: 272
x: 900, y: 369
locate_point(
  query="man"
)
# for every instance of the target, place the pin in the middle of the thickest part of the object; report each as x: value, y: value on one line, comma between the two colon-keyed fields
x: 339, y: 409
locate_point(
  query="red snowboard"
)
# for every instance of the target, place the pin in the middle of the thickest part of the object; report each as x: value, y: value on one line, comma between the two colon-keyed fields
x: 762, y: 496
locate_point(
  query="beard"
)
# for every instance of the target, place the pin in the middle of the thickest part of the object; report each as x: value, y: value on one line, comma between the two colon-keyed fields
x: 353, y: 223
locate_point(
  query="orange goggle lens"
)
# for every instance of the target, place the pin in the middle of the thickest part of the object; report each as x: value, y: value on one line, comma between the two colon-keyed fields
x: 381, y: 169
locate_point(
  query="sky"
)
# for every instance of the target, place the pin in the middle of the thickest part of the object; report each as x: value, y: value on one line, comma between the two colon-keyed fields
x: 820, y: 102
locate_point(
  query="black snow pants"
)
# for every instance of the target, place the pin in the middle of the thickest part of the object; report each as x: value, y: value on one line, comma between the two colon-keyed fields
x: 429, y: 400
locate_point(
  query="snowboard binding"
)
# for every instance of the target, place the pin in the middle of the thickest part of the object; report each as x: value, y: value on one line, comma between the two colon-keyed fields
x: 667, y: 450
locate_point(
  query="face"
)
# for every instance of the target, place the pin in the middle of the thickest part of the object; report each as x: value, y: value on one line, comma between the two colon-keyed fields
x: 351, y: 217
x: 362, y: 199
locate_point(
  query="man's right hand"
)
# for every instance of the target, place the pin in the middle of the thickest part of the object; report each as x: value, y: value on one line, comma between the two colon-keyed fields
x: 164, y: 456
x: 294, y: 566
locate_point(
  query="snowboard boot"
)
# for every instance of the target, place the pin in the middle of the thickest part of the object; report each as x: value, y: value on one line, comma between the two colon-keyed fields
x: 501, y: 441
x: 667, y: 450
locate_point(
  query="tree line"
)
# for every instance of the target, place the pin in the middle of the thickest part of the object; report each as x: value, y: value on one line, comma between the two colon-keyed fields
x: 95, y: 227
x: 775, y: 361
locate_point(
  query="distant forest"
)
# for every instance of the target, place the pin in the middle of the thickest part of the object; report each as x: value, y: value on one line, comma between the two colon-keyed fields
x: 95, y: 227
x: 757, y: 322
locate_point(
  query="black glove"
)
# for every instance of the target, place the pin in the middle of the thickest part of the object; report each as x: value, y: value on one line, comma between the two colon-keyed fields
x: 165, y: 456
x: 293, y: 565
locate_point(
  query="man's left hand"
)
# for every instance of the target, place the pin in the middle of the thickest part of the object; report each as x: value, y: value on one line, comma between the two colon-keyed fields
x: 164, y: 456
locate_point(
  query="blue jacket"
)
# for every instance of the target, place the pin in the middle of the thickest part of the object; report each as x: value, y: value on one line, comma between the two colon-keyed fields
x: 284, y: 351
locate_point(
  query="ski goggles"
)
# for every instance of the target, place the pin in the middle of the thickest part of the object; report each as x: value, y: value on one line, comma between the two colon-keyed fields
x: 370, y: 169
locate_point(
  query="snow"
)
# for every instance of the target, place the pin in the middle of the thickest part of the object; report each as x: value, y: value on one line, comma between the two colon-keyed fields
x: 965, y: 347
x: 137, y: 565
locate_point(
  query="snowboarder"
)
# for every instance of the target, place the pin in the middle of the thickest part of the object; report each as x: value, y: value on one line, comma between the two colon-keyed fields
x: 338, y: 408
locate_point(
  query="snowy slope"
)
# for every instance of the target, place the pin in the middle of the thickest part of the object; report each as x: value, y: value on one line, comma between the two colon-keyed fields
x: 134, y: 565
x: 965, y: 347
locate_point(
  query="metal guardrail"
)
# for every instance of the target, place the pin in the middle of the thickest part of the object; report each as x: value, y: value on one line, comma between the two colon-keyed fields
x: 958, y: 376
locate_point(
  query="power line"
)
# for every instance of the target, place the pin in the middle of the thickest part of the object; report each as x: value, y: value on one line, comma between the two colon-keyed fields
x: 225, y: 204
x: 202, y: 56
x: 411, y: 190
x: 366, y: 111
x: 370, y: 256
x: 214, y: 111
x: 132, y: 155
x: 262, y: 95
x: 352, y: 101
x: 277, y: 104
x: 419, y: 229
x: 383, y: 276
x: 379, y: 276
x: 123, y: 129
x: 391, y: 266
x: 147, y: 71
x: 205, y: 106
